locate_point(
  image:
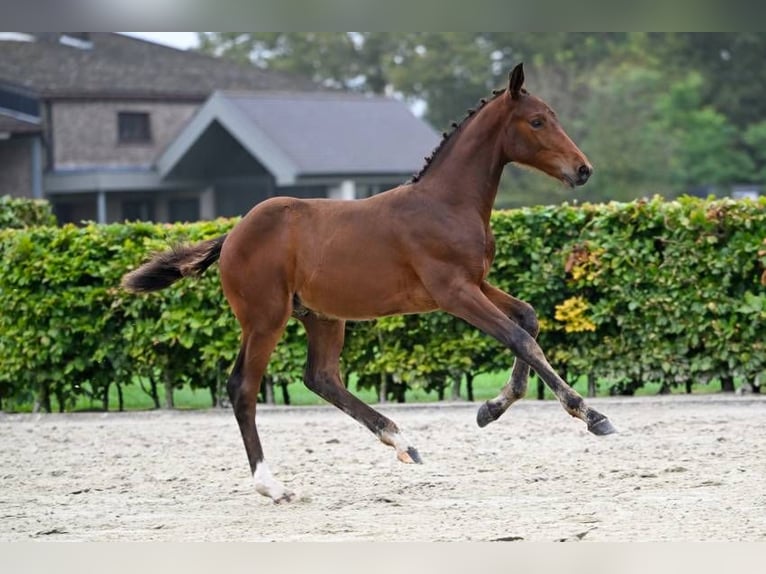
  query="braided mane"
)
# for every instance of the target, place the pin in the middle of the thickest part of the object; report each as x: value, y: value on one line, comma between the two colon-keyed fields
x: 447, y: 135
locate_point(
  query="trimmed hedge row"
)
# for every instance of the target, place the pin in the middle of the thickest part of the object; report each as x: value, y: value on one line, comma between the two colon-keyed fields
x: 647, y: 291
x: 16, y: 213
x: 626, y: 294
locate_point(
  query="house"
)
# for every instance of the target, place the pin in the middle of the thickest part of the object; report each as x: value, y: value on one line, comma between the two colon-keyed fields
x: 109, y: 127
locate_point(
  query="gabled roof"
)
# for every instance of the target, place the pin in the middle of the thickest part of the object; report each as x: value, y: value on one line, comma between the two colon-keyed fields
x: 296, y: 135
x: 113, y: 65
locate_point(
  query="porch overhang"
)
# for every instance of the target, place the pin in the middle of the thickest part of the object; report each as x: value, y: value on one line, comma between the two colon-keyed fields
x: 100, y: 179
x: 215, y: 124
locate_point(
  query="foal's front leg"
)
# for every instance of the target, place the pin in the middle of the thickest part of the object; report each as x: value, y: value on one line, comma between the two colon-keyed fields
x: 468, y: 302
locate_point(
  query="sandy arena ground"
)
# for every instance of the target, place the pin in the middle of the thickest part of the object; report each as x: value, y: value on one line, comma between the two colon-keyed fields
x: 681, y: 468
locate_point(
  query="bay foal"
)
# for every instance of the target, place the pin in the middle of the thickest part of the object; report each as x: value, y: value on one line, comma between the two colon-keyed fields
x: 423, y: 246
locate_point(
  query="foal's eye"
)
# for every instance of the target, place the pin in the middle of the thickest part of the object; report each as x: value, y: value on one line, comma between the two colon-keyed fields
x: 536, y: 123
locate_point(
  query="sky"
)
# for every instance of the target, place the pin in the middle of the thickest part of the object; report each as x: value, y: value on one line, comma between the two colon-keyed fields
x: 182, y: 40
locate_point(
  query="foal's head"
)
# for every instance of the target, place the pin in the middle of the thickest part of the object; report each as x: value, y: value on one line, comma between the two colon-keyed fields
x: 534, y: 137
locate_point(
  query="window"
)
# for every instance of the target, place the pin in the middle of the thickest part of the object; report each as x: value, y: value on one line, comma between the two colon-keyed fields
x: 237, y: 198
x: 183, y: 209
x: 138, y: 210
x: 75, y: 211
x: 133, y: 127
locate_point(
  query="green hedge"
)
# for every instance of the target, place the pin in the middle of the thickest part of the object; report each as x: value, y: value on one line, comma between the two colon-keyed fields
x: 18, y: 213
x: 626, y: 293
x: 645, y: 291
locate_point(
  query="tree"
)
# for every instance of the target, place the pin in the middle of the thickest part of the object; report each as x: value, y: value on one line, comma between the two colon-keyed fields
x: 346, y: 60
x: 730, y: 63
x: 755, y: 139
x: 705, y: 147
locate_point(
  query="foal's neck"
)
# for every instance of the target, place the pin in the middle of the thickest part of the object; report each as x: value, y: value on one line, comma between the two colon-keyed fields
x: 466, y: 172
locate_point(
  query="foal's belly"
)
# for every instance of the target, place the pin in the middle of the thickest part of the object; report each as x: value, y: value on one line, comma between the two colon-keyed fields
x: 366, y: 294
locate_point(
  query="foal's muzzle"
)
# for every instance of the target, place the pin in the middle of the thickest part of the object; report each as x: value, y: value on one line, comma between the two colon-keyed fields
x: 583, y: 173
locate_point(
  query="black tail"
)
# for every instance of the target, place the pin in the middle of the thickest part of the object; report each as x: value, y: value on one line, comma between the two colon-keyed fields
x: 166, y: 268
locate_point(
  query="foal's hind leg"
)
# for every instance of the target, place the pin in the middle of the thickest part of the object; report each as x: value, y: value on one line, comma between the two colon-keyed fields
x: 323, y: 377
x: 243, y: 386
x: 516, y: 388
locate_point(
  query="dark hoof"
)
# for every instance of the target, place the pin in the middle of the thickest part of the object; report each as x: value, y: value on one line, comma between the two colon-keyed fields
x: 488, y: 412
x: 602, y: 427
x: 286, y: 498
x: 414, y: 455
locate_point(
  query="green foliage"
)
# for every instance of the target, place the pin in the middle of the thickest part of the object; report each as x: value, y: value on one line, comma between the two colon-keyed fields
x: 632, y: 153
x: 16, y: 213
x: 334, y: 59
x: 656, y: 113
x: 629, y: 293
x: 703, y: 144
x: 68, y: 330
x: 755, y: 139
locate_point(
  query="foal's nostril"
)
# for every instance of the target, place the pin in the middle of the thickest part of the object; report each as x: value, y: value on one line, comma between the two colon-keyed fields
x: 583, y: 173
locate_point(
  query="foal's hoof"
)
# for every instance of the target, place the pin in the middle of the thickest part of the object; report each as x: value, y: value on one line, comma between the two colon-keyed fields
x: 488, y: 412
x: 287, y: 496
x: 410, y: 456
x: 602, y: 427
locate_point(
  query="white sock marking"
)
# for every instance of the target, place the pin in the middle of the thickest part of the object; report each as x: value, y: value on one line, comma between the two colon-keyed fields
x: 400, y: 444
x: 266, y: 484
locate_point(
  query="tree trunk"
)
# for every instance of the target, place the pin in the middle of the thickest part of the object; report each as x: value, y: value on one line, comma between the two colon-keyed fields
x: 43, y: 399
x: 469, y: 386
x: 398, y: 389
x: 456, y: 381
x: 61, y: 400
x: 120, y: 398
x: 727, y: 384
x: 540, y: 389
x: 440, y: 392
x: 213, y: 388
x: 169, y: 404
x: 591, y: 385
x: 105, y: 398
x: 222, y: 391
x: 268, y: 385
x: 285, y: 392
x: 383, y: 388
x: 688, y: 386
x: 152, y: 392
x: 664, y: 389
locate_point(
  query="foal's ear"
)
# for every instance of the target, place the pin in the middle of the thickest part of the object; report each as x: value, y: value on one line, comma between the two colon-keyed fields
x: 516, y: 81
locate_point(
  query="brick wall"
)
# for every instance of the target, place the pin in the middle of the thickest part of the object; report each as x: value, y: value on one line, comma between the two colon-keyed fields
x: 16, y: 167
x: 85, y: 132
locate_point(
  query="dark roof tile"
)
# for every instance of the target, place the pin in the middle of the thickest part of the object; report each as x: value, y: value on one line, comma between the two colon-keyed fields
x: 123, y: 66
x: 340, y: 132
